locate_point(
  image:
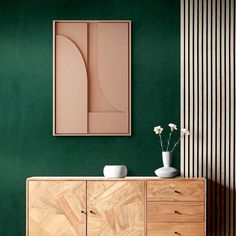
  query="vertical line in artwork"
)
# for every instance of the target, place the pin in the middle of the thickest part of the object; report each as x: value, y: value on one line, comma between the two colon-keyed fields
x: 88, y: 75
x: 54, y: 79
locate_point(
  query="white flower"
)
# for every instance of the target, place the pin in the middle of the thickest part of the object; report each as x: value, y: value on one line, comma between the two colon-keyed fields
x: 185, y: 131
x: 158, y: 129
x: 173, y: 126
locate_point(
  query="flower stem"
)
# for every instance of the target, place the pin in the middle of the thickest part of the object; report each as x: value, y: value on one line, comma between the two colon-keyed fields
x: 161, y: 142
x: 168, y: 144
x: 177, y: 143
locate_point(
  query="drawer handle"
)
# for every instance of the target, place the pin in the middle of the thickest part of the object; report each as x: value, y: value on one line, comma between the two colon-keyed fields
x: 177, y: 212
x: 177, y: 192
x: 177, y: 233
x: 83, y: 212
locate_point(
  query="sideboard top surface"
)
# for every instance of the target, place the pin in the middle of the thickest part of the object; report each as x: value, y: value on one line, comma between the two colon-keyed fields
x: 101, y: 178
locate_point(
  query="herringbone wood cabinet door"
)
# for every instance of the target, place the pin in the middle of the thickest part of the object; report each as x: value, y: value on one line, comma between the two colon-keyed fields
x: 55, y: 208
x: 115, y: 208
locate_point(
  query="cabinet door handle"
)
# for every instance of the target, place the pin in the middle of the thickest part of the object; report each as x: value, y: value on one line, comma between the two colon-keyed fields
x: 83, y: 212
x: 177, y: 212
x: 92, y: 212
x: 176, y: 191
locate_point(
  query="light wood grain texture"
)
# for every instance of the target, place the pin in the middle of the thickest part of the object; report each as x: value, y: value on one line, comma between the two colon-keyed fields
x: 54, y: 208
x: 175, y: 229
x: 115, y: 208
x: 175, y: 190
x: 175, y: 212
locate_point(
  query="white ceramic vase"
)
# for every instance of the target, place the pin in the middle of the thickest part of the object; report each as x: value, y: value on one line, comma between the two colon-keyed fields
x: 167, y: 158
x: 167, y: 171
x: 115, y: 171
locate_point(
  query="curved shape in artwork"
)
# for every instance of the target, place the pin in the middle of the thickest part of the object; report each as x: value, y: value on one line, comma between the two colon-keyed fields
x: 98, y: 102
x: 113, y: 61
x: 71, y: 88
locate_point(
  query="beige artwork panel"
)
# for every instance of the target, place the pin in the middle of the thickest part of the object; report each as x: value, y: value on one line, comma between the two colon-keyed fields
x: 92, y: 78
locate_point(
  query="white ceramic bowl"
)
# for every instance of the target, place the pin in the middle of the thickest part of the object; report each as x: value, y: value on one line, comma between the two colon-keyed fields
x: 115, y: 171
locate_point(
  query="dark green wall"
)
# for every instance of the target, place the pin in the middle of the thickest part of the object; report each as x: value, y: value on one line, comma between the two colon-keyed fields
x: 27, y: 147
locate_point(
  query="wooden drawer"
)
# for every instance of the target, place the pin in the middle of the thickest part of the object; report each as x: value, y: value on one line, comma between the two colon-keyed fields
x: 175, y: 212
x: 175, y: 229
x: 176, y: 190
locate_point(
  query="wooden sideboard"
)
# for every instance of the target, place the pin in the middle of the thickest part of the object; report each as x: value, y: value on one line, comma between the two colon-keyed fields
x: 80, y: 206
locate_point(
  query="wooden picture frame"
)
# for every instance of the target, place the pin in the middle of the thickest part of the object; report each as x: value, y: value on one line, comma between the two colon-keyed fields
x: 91, y: 78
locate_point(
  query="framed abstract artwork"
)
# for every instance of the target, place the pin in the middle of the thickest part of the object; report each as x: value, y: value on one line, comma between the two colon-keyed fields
x: 92, y: 78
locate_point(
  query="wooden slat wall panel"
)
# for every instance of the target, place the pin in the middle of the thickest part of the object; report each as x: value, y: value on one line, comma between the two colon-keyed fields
x: 208, y: 89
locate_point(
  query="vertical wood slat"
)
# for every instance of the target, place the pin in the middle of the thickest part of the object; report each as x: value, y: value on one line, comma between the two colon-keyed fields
x: 222, y: 118
x: 208, y: 88
x: 232, y: 99
x: 213, y: 102
x: 191, y: 82
x: 209, y: 112
x: 218, y: 121
x: 200, y: 89
x: 227, y: 86
x: 182, y: 81
x: 195, y: 87
x: 204, y: 92
x: 186, y: 102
